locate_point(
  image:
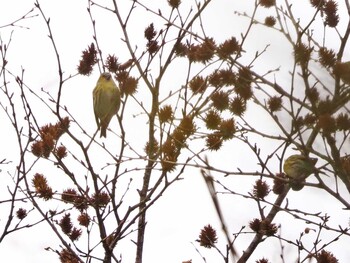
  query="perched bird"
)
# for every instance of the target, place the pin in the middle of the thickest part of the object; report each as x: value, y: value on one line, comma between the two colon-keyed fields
x: 106, y: 98
x: 298, y: 167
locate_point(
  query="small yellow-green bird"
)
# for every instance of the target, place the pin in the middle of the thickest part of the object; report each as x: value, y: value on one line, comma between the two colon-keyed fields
x: 106, y: 98
x: 298, y: 167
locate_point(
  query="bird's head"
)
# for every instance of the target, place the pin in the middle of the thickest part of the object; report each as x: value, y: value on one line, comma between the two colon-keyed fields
x: 106, y: 75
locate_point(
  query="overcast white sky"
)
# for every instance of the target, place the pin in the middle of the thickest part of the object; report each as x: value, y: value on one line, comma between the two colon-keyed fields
x: 185, y: 208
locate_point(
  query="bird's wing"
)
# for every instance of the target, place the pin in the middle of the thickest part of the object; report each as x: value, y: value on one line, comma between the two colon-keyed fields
x: 96, y: 98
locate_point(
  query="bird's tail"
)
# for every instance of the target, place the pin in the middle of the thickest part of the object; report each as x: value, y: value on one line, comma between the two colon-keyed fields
x: 103, y: 130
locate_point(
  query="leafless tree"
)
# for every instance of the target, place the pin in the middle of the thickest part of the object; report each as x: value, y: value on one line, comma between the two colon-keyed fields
x: 195, y: 96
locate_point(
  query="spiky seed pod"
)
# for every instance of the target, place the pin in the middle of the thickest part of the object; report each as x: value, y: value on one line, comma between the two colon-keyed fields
x: 174, y: 3
x: 212, y: 120
x: 66, y: 224
x: 267, y: 3
x: 330, y: 8
x: 88, y: 60
x: 214, y: 141
x: 274, y: 103
x: 165, y: 114
x: 238, y: 106
x: 261, y: 189
x: 270, y: 21
x: 326, y: 257
x: 228, y: 48
x: 84, y: 219
x: 198, y: 84
x: 327, y: 57
x: 21, y: 213
x: 208, y: 237
x: 220, y: 100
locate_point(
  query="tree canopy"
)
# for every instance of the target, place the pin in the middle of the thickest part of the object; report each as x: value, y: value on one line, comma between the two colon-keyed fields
x: 230, y: 142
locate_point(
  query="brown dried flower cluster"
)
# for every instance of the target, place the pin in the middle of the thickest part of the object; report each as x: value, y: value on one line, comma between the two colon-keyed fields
x: 220, y: 100
x: 330, y: 9
x: 152, y: 43
x: 180, y: 49
x: 212, y: 119
x: 187, y: 126
x: 302, y: 54
x: 49, y: 136
x: 84, y: 219
x: 61, y: 152
x: 88, y: 60
x: 75, y: 234
x: 326, y: 257
x: 224, y: 130
x: 228, y: 48
x: 166, y: 114
x: 114, y: 66
x: 267, y: 3
x: 100, y: 199
x: 263, y: 227
x: 317, y: 3
x: 127, y: 83
x: 325, y: 106
x: 222, y: 77
x: 67, y: 228
x: 298, y: 122
x: 238, y: 106
x: 81, y: 202
x: 270, y: 21
x: 174, y: 3
x: 150, y: 32
x: 207, y: 237
x: 313, y: 95
x: 41, y: 187
x: 343, y: 122
x: 112, y: 63
x: 308, y: 120
x: 66, y: 224
x: 214, y: 141
x: 327, y: 123
x: 261, y: 189
x: 243, y: 84
x: 71, y: 196
x: 175, y: 142
x: 68, y: 257
x: 152, y: 151
x: 240, y: 83
x: 227, y: 128
x: 21, y: 213
x: 170, y: 154
x: 274, y: 103
x: 198, y: 84
x: 327, y: 57
x: 205, y: 51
